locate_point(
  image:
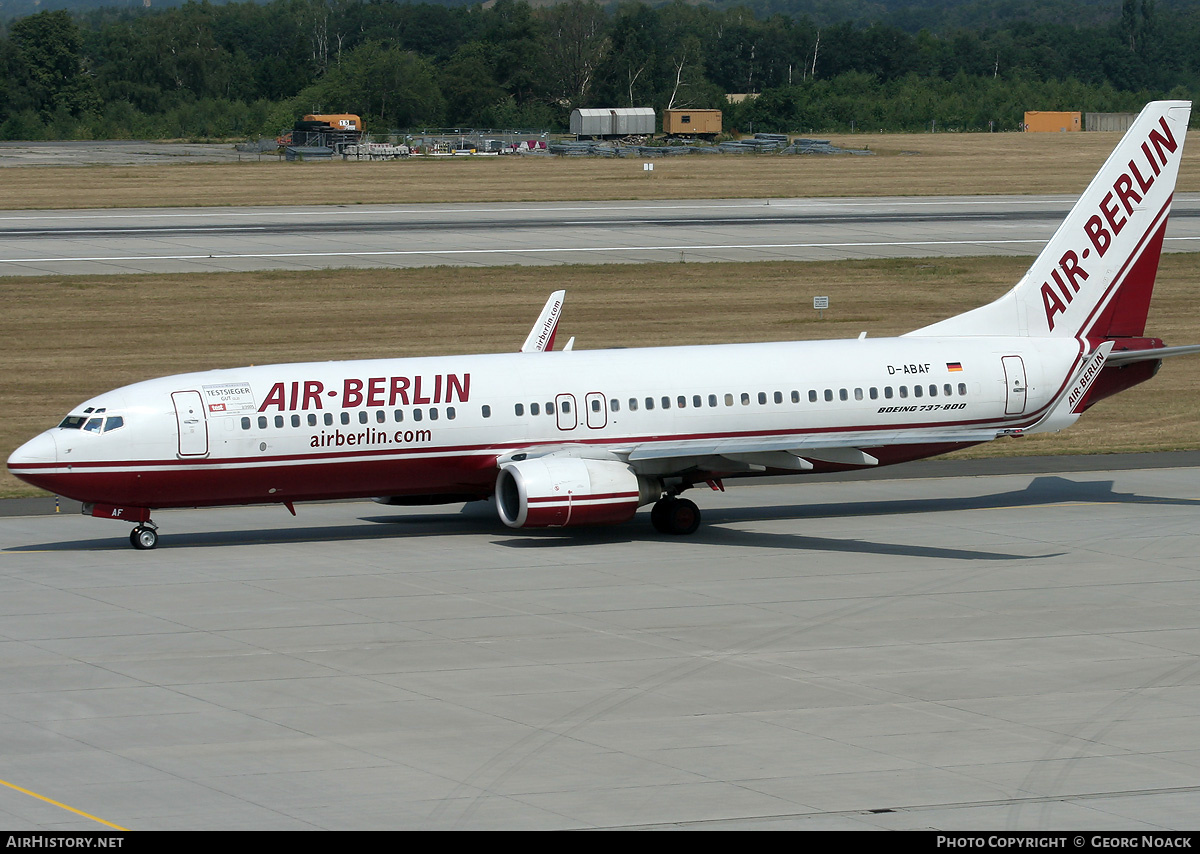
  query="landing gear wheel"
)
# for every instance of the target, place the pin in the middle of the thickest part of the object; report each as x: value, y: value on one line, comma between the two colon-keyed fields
x: 658, y: 515
x: 676, y: 516
x: 143, y: 538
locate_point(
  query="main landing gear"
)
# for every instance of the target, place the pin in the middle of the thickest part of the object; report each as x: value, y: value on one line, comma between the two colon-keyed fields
x: 674, y: 515
x: 144, y: 536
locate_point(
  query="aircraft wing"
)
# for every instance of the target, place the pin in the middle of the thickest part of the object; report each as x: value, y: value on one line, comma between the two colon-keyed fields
x: 839, y: 447
x: 1125, y: 357
x: 541, y: 337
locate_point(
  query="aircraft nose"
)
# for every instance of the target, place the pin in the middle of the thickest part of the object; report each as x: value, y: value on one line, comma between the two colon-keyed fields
x: 40, y: 449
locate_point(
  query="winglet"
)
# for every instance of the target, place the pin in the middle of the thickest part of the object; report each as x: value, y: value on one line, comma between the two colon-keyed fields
x: 541, y: 337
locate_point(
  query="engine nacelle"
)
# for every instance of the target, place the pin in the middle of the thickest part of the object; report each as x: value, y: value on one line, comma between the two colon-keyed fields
x: 564, y: 491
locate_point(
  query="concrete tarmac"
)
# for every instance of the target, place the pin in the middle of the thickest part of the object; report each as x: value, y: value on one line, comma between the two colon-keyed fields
x: 184, y: 240
x: 999, y: 652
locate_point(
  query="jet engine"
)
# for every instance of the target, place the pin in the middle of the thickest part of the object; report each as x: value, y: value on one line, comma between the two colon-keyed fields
x: 565, y: 491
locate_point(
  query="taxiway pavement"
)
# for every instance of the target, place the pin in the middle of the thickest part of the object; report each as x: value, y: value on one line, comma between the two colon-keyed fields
x: 1010, y: 652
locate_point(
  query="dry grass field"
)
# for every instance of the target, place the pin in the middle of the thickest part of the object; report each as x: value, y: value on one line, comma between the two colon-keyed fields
x: 65, y: 339
x: 909, y: 164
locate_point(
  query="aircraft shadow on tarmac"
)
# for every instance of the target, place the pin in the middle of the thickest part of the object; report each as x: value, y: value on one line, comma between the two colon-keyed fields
x: 1048, y: 489
x: 479, y: 518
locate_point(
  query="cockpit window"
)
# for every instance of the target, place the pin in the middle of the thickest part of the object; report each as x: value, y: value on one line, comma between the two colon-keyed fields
x: 92, y: 425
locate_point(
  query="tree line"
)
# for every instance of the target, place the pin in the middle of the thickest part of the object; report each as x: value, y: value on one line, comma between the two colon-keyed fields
x: 246, y: 69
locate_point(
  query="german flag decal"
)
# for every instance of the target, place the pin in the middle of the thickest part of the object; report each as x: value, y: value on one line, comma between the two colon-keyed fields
x: 953, y: 366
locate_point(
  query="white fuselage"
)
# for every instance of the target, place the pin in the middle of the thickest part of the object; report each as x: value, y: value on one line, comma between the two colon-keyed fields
x: 430, y: 427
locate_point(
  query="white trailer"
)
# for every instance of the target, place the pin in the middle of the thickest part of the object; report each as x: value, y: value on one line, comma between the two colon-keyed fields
x: 607, y: 122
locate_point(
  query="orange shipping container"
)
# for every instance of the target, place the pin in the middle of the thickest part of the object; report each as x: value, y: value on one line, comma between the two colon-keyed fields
x: 692, y: 122
x: 1048, y: 121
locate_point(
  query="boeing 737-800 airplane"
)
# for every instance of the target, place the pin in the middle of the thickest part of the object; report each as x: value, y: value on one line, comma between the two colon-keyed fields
x: 581, y: 438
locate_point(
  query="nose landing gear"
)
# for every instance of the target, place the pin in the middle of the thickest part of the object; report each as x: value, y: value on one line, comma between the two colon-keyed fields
x: 144, y: 536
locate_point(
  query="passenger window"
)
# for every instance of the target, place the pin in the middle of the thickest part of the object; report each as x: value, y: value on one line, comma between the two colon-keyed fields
x: 633, y: 404
x: 595, y: 405
x: 947, y: 389
x: 762, y: 398
x: 858, y: 395
x: 328, y: 419
x: 262, y: 422
x: 745, y: 398
x: 487, y: 411
x: 549, y: 407
x: 962, y: 388
x: 933, y: 391
x: 729, y: 400
x: 519, y: 409
x: 614, y: 405
x: 843, y: 394
x: 874, y: 393
x: 295, y: 420
x: 829, y: 394
x: 312, y: 419
x: 649, y: 403
x: 433, y: 413
x: 398, y: 415
x: 917, y: 391
x: 812, y: 395
x: 887, y: 392
x: 450, y: 413
x: 904, y: 391
x: 696, y: 401
x: 245, y: 423
x: 416, y: 415
x: 380, y: 416
x: 712, y: 400
x: 666, y: 402
x: 345, y: 417
x: 278, y: 420
x: 362, y: 416
x: 795, y: 396
x: 535, y: 409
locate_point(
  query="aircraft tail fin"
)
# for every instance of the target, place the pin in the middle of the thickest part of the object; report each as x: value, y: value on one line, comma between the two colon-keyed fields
x: 1093, y: 280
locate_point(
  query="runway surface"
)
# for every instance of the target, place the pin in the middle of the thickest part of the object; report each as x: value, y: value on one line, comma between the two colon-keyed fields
x: 998, y: 652
x: 227, y: 239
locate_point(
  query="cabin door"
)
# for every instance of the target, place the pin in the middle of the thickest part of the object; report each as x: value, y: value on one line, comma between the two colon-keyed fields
x: 1014, y: 383
x: 193, y: 426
